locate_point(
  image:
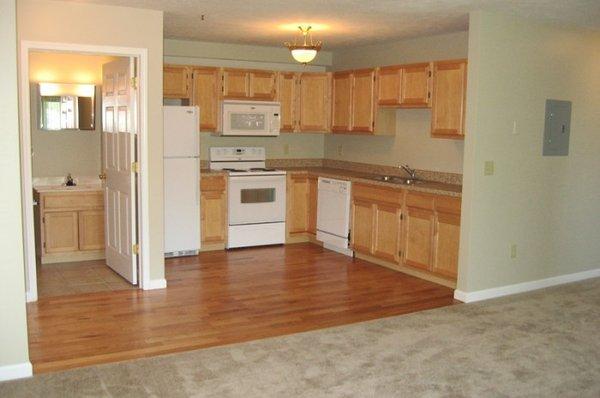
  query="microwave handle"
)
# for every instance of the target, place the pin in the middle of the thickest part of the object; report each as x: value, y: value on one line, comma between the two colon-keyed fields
x: 275, y: 123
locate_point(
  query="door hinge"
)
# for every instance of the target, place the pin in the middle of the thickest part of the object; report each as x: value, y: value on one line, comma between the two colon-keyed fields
x: 135, y: 249
x: 429, y: 94
x: 349, y: 236
x: 44, y: 219
x: 402, y: 216
x: 429, y: 73
x: 135, y: 167
x: 133, y: 82
x: 44, y: 245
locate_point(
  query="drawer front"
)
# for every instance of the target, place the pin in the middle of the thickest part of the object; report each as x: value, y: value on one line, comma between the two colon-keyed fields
x: 212, y: 183
x: 73, y: 201
x: 377, y: 194
x: 447, y: 204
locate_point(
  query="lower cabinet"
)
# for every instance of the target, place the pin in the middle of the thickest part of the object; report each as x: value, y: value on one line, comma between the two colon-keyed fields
x: 301, y: 204
x: 71, y: 226
x: 417, y: 230
x: 213, y: 210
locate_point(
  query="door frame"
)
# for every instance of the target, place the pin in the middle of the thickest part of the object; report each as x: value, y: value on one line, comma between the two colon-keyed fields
x: 141, y: 54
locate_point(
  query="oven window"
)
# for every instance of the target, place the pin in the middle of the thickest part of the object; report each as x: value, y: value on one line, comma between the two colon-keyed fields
x: 258, y: 195
x: 248, y: 121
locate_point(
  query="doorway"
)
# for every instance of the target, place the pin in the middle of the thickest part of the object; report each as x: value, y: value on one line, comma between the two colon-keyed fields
x: 63, y: 140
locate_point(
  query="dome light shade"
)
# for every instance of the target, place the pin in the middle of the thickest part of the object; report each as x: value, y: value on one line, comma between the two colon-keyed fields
x: 307, y: 51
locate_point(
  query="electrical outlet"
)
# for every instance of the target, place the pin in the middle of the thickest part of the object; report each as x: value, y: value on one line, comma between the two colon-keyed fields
x: 488, y: 168
x: 340, y: 150
x: 286, y: 149
x: 513, y: 250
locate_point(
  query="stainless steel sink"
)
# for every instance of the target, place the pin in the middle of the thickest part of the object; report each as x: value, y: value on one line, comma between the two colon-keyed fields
x: 397, y: 180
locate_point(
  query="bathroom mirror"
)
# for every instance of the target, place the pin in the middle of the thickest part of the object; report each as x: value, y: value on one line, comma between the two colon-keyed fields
x: 65, y: 106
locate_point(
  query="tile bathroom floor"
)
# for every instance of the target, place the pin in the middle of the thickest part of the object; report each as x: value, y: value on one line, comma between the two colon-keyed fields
x: 62, y: 279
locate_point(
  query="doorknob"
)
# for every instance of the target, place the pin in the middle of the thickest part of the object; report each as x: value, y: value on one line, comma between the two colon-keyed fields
x: 102, y: 176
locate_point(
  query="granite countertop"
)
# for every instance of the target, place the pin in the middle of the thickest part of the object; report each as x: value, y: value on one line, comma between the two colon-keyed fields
x: 432, y: 187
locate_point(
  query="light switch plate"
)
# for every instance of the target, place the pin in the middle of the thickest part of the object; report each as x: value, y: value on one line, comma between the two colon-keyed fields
x: 488, y: 168
x: 286, y: 149
x: 557, y: 128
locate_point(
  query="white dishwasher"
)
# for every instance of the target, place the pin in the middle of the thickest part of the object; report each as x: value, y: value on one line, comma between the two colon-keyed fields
x: 333, y: 214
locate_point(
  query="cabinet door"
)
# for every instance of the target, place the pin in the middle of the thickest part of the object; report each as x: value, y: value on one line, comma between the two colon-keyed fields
x: 342, y: 101
x: 314, y: 101
x: 415, y: 86
x: 362, y: 226
x: 91, y: 230
x: 312, y: 204
x: 205, y: 83
x: 388, y: 85
x: 447, y: 236
x: 235, y: 84
x: 176, y: 81
x: 448, y: 99
x: 61, y: 232
x: 213, y: 217
x: 287, y: 97
x: 297, y: 211
x: 262, y: 85
x: 386, y: 244
x: 363, y: 98
x: 418, y: 237
x: 213, y: 210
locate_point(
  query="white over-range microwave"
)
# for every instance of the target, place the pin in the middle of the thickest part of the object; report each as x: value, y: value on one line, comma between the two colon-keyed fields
x: 250, y: 118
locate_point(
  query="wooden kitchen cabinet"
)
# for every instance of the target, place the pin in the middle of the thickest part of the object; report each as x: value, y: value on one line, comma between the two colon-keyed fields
x: 362, y: 226
x: 301, y: 204
x: 353, y: 94
x: 404, y: 86
x: 415, y: 89
x: 213, y: 211
x: 341, y: 101
x: 71, y: 225
x: 363, y: 101
x: 448, y: 102
x: 388, y: 87
x: 176, y: 81
x: 248, y: 84
x: 386, y: 244
x: 205, y: 94
x: 297, y: 206
x: 287, y: 95
x: 313, y: 100
x: 313, y: 194
x: 418, y: 237
x: 446, y: 236
x: 262, y: 85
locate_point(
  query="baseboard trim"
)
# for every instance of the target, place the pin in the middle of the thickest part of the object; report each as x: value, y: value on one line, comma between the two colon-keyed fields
x: 30, y: 296
x: 17, y: 371
x: 479, y: 295
x: 154, y: 284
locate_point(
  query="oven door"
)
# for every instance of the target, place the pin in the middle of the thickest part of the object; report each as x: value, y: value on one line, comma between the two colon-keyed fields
x: 256, y: 199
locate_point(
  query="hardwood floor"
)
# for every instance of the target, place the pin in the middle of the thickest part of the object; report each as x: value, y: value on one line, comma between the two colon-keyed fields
x: 220, y: 298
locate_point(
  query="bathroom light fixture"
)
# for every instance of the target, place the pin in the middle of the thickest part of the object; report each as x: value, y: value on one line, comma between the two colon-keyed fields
x: 307, y: 51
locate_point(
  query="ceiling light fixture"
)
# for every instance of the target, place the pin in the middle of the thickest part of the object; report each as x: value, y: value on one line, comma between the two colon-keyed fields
x: 307, y: 51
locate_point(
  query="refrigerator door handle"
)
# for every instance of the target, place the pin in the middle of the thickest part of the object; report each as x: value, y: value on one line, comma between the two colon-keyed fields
x: 198, y: 181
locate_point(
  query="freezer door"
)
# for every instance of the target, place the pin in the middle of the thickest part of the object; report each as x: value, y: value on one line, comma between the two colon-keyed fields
x: 182, y: 204
x: 181, y: 135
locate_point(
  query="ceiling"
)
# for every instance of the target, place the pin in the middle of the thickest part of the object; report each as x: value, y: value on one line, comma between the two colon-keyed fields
x: 340, y: 23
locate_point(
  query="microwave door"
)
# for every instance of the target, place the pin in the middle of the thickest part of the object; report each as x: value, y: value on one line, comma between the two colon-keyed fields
x: 248, y: 123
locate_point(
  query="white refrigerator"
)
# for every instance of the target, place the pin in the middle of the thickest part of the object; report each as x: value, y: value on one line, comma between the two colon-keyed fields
x: 181, y: 167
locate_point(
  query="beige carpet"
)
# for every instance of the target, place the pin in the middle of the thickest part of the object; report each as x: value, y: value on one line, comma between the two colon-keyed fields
x: 540, y: 344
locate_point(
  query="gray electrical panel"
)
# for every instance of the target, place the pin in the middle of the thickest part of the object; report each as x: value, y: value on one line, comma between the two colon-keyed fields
x: 557, y: 127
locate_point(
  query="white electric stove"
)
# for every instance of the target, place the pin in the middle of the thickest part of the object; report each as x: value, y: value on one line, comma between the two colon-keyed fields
x: 256, y: 196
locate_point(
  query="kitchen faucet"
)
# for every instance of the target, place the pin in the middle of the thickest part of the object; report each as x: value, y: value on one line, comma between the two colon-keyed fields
x: 411, y: 172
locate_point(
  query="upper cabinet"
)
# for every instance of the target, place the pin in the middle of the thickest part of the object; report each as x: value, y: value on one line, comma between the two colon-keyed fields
x: 313, y: 102
x: 287, y: 95
x: 404, y: 86
x: 249, y: 84
x: 449, y: 99
x: 205, y: 94
x: 176, y: 81
x: 353, y: 104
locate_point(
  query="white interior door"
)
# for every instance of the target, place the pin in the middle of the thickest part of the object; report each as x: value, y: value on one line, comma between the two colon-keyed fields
x: 119, y: 132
